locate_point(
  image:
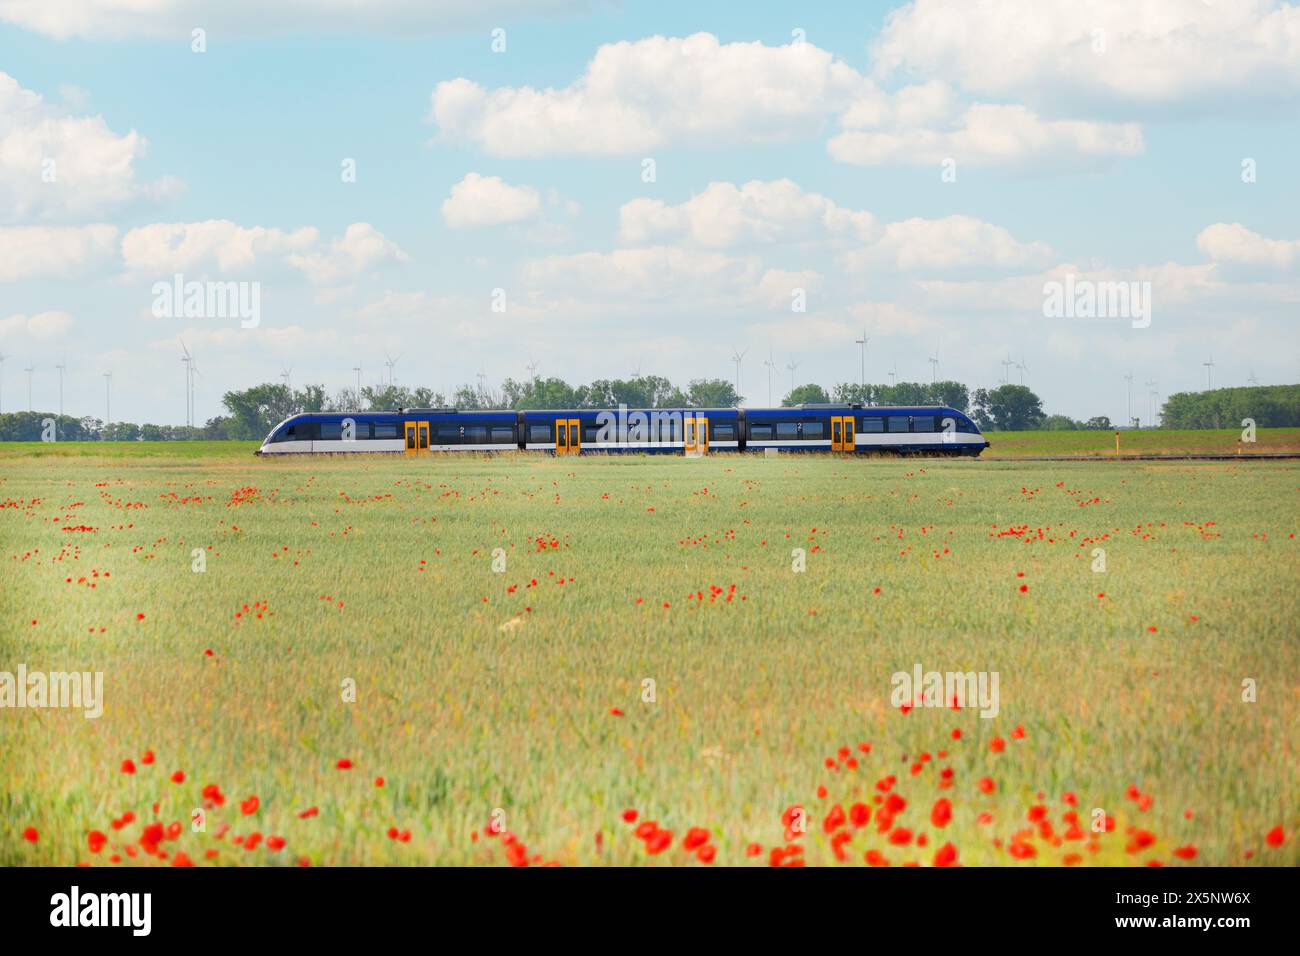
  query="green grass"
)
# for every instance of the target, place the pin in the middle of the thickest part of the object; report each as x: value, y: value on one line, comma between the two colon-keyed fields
x: 473, y: 697
x: 1158, y: 441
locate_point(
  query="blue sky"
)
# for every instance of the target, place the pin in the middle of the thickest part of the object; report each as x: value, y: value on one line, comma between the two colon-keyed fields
x: 1085, y: 141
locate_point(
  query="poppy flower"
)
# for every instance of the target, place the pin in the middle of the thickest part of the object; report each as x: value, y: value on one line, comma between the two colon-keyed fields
x: 249, y: 807
x: 997, y: 745
x: 31, y: 835
x: 1275, y: 837
x: 344, y: 764
x: 941, y: 813
x: 946, y: 855
x: 695, y: 837
x: 629, y: 816
x: 128, y: 766
x: 178, y: 776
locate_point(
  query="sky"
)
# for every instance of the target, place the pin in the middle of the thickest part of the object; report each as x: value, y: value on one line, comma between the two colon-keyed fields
x: 474, y: 187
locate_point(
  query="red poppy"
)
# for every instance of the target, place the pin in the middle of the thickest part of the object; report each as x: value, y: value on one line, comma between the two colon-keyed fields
x: 31, y: 835
x: 1275, y: 837
x: 695, y: 837
x: 178, y: 776
x: 941, y: 813
x: 249, y: 807
x: 344, y: 764
x: 629, y: 816
x: 128, y: 766
x: 946, y: 855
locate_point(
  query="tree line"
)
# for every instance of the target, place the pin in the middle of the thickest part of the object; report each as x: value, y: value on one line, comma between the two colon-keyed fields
x: 252, y: 412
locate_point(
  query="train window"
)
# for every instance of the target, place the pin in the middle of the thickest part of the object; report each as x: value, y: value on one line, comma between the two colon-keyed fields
x: 589, y: 433
x: 898, y: 423
x: 447, y: 435
x: 923, y: 423
x: 722, y: 432
x: 540, y: 434
x: 331, y: 431
x: 871, y: 425
x: 813, y: 430
x: 787, y: 430
x: 760, y: 431
x: 474, y: 434
x: 384, y: 429
x: 502, y: 435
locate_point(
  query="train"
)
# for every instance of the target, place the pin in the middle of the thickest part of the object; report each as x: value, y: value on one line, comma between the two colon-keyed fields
x: 835, y: 427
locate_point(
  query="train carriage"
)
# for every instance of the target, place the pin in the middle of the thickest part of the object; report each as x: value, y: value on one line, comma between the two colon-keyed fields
x: 844, y: 428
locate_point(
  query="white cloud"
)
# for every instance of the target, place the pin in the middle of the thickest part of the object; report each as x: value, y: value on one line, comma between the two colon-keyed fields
x: 213, y: 245
x: 757, y: 212
x: 219, y: 245
x: 54, y: 166
x: 951, y: 243
x: 28, y: 252
x: 42, y: 326
x: 1237, y: 245
x: 983, y: 134
x: 176, y: 18
x: 1107, y: 52
x: 655, y: 273
x: 636, y: 96
x: 361, y: 249
x: 489, y: 201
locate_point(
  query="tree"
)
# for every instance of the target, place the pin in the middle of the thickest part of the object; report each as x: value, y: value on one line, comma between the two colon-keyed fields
x: 1059, y: 423
x: 1100, y: 423
x: 806, y: 395
x: 1007, y: 408
x: 255, y: 411
x: 1270, y: 406
x: 712, y: 393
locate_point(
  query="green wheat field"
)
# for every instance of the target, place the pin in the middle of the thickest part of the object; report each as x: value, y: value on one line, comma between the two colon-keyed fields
x: 614, y: 660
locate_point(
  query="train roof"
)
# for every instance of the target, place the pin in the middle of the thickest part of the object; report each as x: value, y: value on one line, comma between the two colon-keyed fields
x: 782, y: 409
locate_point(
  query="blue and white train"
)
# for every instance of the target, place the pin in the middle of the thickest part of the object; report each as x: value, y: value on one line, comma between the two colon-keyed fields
x: 920, y: 429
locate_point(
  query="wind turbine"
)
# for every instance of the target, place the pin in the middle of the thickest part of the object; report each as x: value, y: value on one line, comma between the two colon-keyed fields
x: 893, y: 376
x: 736, y: 357
x: 1251, y: 379
x: 792, y: 366
x: 1022, y: 368
x: 1006, y: 369
x: 771, y: 366
x: 62, y: 367
x: 1151, y: 401
x: 392, y: 368
x: 1209, y: 373
x: 29, y: 369
x: 1128, y: 395
x: 108, y: 398
x: 934, y: 364
x: 862, y: 343
x: 532, y: 368
x: 357, y: 369
x: 286, y: 373
x: 188, y: 360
